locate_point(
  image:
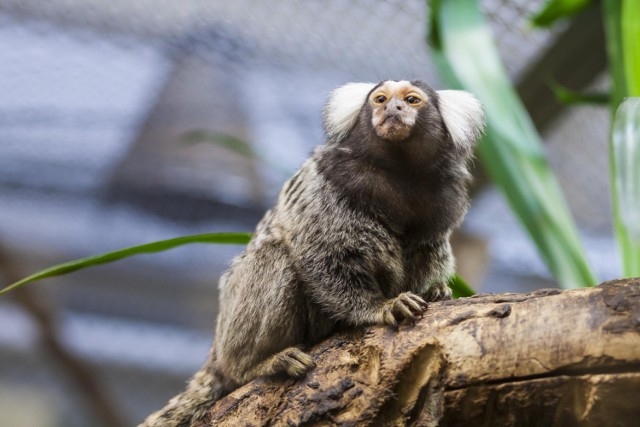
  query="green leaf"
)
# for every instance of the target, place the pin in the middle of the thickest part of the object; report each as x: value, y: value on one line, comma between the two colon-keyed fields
x: 511, y: 150
x: 220, y: 139
x: 231, y: 143
x: 631, y: 45
x: 162, y: 245
x: 433, y: 32
x: 570, y: 97
x: 555, y: 10
x: 626, y: 150
x: 459, y: 287
x: 612, y: 11
x: 622, y: 34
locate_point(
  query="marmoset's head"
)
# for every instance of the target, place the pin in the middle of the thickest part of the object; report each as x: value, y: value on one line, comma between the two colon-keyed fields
x: 399, y: 110
x: 395, y: 107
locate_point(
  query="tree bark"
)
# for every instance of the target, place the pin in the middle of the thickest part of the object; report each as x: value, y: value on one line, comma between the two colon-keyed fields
x: 545, y: 358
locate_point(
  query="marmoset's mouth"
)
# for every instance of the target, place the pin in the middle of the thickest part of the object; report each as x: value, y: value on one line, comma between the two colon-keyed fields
x: 393, y: 128
x: 393, y: 119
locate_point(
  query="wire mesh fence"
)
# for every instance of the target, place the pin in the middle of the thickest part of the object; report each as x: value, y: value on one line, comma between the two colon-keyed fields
x: 97, y: 103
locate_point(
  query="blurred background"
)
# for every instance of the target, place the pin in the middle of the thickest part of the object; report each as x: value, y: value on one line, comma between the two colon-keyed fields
x: 112, y: 115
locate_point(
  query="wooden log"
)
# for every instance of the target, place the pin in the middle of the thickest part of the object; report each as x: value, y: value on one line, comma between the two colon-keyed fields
x: 540, y: 359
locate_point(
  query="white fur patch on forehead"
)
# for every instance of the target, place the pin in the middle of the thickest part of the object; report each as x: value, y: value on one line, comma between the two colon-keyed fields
x: 344, y: 105
x: 462, y: 115
x: 393, y: 86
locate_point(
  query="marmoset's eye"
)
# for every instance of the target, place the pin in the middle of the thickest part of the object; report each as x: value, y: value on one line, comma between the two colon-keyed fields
x: 379, y: 99
x: 412, y: 99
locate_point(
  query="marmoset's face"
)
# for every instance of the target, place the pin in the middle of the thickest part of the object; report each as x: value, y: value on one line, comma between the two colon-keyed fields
x: 395, y: 107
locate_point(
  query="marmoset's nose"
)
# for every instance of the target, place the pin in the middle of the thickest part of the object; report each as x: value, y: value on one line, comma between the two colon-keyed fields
x: 394, y: 104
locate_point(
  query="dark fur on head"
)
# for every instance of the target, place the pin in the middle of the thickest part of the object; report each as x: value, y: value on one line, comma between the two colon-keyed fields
x: 418, y: 184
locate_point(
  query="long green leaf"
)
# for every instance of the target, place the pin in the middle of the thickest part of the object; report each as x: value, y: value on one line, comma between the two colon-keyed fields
x: 631, y: 45
x: 555, y: 10
x: 231, y: 143
x: 162, y: 245
x: 612, y: 11
x: 570, y: 97
x: 220, y: 139
x: 622, y: 31
x: 626, y: 148
x: 511, y: 150
x: 460, y: 287
x: 631, y: 53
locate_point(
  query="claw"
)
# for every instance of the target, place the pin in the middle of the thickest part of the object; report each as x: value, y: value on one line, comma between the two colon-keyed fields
x: 401, y: 306
x: 388, y: 318
x: 417, y: 307
x: 420, y: 301
x: 438, y: 292
x: 406, y: 306
x: 297, y: 363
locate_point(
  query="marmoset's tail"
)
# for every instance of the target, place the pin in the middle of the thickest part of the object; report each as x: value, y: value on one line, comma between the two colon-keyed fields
x: 203, y: 390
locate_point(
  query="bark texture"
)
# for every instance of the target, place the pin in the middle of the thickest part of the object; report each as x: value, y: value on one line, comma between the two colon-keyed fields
x: 539, y: 359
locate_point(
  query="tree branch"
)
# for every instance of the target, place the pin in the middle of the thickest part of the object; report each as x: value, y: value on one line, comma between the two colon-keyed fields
x: 543, y: 358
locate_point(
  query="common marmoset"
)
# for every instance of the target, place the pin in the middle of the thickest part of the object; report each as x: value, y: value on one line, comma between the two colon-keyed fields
x: 358, y: 236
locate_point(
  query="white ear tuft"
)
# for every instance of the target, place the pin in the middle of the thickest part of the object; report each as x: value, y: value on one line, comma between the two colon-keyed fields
x: 342, y: 110
x: 463, y: 116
